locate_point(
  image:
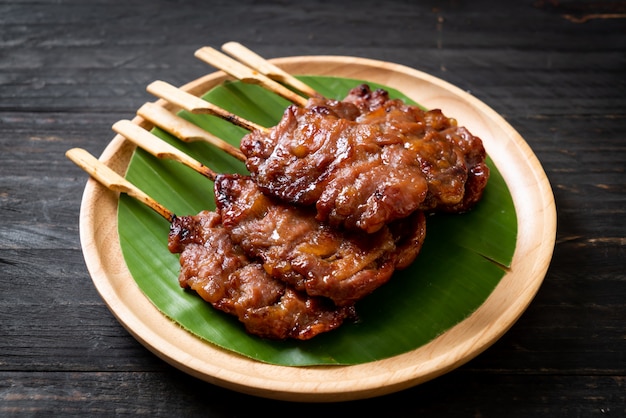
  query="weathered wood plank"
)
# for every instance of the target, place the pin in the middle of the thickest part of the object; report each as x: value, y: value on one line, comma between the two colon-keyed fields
x: 70, y: 69
x: 171, y: 393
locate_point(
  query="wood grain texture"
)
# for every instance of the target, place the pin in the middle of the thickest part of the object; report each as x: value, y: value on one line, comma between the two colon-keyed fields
x: 69, y: 69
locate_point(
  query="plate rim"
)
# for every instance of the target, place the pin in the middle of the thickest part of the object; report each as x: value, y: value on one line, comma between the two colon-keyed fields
x: 453, y: 348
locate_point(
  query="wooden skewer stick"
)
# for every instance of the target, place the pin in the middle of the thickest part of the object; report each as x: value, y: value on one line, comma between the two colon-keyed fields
x: 256, y: 62
x: 159, y: 148
x: 194, y: 104
x: 113, y: 181
x: 183, y: 129
x: 241, y: 72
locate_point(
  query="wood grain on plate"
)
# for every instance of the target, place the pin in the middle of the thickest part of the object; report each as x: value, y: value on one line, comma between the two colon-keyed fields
x: 536, y: 216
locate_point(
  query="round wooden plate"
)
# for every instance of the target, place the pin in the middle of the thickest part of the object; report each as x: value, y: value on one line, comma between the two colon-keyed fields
x: 536, y: 215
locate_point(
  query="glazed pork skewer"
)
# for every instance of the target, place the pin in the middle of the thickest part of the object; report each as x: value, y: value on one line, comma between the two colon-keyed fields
x: 365, y: 161
x: 454, y: 170
x: 368, y: 159
x: 450, y: 158
x: 387, y: 190
x: 223, y: 275
x: 344, y: 266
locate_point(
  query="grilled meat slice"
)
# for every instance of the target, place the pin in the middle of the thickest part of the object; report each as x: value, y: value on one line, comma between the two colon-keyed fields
x: 224, y: 276
x: 313, y: 257
x: 451, y: 158
x: 367, y: 160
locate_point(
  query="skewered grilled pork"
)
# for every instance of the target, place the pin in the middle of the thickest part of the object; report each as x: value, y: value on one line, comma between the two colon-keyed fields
x: 367, y: 160
x: 311, y: 256
x: 293, y: 246
x: 224, y: 276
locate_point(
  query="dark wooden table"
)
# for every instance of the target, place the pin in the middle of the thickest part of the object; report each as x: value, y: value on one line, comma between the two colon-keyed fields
x: 556, y: 70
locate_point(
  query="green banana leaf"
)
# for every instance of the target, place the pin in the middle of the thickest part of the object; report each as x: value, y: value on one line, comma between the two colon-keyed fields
x: 463, y: 258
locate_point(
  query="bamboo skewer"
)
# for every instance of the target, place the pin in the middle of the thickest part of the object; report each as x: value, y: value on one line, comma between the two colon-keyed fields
x: 241, y: 72
x: 194, y: 104
x: 159, y: 148
x: 260, y: 64
x: 183, y: 129
x: 262, y: 73
x: 187, y: 131
x: 113, y: 181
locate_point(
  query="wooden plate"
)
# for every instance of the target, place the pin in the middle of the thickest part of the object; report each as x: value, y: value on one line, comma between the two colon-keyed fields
x: 536, y: 215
